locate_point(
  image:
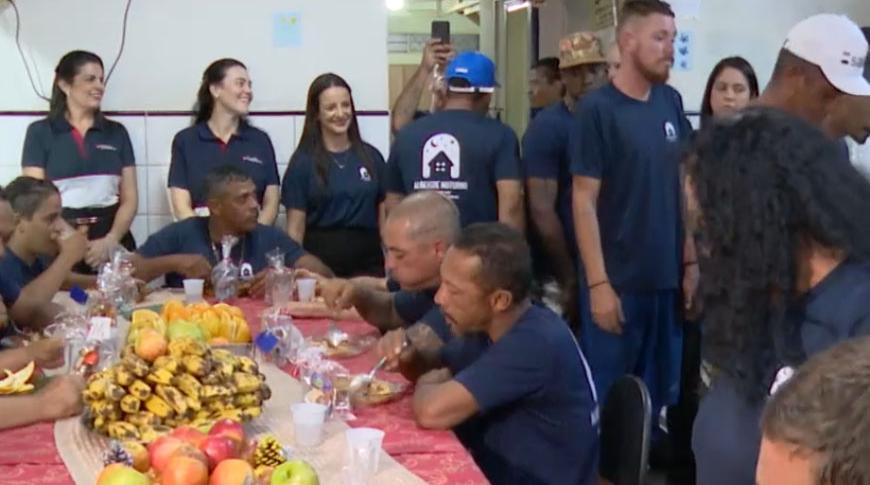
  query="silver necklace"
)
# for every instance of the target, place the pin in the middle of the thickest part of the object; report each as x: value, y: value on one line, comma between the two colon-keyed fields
x: 337, y: 163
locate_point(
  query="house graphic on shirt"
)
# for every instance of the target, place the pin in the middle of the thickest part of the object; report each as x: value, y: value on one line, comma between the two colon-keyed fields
x: 441, y: 157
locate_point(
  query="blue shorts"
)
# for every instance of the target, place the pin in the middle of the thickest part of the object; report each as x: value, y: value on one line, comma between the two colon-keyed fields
x: 650, y: 346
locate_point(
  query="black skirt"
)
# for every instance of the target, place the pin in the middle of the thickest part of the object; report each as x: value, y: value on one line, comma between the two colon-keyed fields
x: 348, y: 252
x: 99, y: 221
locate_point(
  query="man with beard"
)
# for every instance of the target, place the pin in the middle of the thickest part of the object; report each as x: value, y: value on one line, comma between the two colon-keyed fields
x: 627, y: 212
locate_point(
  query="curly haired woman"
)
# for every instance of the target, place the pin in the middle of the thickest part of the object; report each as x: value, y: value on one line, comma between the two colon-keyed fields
x: 783, y: 242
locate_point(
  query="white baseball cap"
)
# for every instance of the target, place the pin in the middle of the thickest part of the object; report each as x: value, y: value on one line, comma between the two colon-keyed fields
x: 837, y: 46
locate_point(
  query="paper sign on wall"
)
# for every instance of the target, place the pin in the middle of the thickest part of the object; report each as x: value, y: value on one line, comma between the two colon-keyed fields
x: 683, y: 50
x: 286, y: 29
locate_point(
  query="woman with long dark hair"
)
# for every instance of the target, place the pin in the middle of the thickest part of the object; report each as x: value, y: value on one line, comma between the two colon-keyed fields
x: 730, y: 88
x: 221, y: 135
x: 333, y: 189
x: 783, y: 245
x: 87, y: 156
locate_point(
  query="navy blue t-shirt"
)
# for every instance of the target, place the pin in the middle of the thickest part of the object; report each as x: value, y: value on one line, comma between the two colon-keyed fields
x: 546, y: 155
x: 191, y: 236
x: 633, y: 147
x: 196, y: 151
x: 350, y: 197
x: 411, y: 306
x: 9, y: 291
x: 727, y: 434
x: 85, y: 168
x: 459, y: 153
x: 18, y: 272
x: 538, y: 419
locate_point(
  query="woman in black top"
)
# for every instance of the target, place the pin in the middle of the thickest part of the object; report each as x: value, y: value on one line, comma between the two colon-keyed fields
x: 333, y: 188
x: 87, y: 156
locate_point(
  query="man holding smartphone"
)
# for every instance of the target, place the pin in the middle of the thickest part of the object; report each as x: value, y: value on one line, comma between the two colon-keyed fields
x: 436, y: 54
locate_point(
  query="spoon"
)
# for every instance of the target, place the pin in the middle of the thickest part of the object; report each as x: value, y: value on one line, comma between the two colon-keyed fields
x: 363, y: 380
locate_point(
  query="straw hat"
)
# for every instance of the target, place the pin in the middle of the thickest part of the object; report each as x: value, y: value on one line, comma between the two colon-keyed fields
x: 580, y: 48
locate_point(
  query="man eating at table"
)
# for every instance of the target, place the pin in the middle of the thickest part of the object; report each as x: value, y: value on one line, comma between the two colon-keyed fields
x: 416, y: 235
x: 528, y: 391
x: 190, y: 248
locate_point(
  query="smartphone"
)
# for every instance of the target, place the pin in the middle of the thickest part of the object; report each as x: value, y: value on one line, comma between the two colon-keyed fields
x: 441, y: 31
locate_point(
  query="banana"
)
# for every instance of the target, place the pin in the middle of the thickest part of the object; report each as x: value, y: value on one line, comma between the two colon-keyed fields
x: 224, y: 369
x: 225, y: 356
x: 251, y: 412
x: 103, y: 408
x: 100, y: 424
x: 210, y: 393
x: 136, y: 365
x: 123, y: 376
x: 130, y: 404
x: 247, y: 400
x: 196, y: 365
x: 140, y: 390
x: 144, y: 418
x: 160, y: 377
x: 265, y: 392
x: 159, y: 407
x: 166, y: 362
x: 203, y: 425
x: 96, y: 389
x: 245, y: 383
x: 188, y: 385
x: 176, y: 348
x: 235, y: 414
x: 123, y: 430
x: 174, y: 397
x: 247, y: 365
x: 195, y: 347
x: 114, y: 392
x: 148, y: 434
x: 202, y: 415
x: 212, y: 379
x: 193, y: 404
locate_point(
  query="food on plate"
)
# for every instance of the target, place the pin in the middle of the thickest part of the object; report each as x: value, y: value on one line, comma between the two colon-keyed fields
x: 191, y: 385
x: 378, y: 391
x: 352, y: 347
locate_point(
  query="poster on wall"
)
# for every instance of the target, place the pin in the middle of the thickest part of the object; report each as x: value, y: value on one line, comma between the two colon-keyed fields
x: 683, y: 50
x: 286, y: 29
x: 603, y: 14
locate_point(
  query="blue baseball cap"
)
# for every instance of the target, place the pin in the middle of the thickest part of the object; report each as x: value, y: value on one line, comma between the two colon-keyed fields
x: 475, y: 68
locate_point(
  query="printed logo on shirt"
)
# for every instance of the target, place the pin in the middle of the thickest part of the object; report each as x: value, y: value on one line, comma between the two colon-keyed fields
x: 105, y: 147
x: 670, y: 132
x: 364, y: 175
x: 252, y: 159
x: 441, y: 165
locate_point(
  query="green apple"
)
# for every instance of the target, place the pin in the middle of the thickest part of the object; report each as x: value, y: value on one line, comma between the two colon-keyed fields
x: 295, y: 472
x: 183, y: 328
x: 118, y: 474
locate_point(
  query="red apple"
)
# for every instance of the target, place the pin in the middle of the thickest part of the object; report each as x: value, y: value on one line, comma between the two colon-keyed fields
x: 229, y: 428
x: 189, y: 434
x: 162, y: 449
x: 232, y: 472
x: 183, y: 469
x: 218, y: 449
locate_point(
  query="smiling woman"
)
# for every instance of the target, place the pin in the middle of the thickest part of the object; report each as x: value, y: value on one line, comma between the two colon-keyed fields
x: 222, y: 136
x: 88, y: 157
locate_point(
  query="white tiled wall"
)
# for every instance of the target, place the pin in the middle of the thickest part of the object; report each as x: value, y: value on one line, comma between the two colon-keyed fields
x: 152, y: 139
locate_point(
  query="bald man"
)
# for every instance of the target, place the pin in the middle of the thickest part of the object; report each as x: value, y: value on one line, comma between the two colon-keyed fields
x: 416, y: 236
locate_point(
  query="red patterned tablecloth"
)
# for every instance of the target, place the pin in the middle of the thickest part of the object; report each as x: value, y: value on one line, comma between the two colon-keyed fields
x: 28, y: 455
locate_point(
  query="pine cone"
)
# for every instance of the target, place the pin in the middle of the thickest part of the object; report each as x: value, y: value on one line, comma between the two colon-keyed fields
x: 269, y: 452
x: 117, y: 454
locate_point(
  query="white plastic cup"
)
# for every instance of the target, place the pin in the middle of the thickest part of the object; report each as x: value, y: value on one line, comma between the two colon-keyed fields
x: 193, y: 290
x: 364, y: 454
x: 306, y: 288
x: 308, y: 422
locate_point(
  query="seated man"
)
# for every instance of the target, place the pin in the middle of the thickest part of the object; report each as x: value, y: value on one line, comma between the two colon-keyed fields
x: 31, y: 305
x: 416, y: 234
x: 60, y: 398
x: 33, y: 243
x: 189, y: 248
x: 529, y: 390
x: 813, y: 426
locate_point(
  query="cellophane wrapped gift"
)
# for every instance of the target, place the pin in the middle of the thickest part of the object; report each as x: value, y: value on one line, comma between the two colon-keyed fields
x: 225, y: 275
x: 280, y: 341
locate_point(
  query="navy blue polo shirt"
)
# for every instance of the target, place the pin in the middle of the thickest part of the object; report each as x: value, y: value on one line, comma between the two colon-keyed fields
x: 17, y: 271
x: 634, y: 147
x: 196, y: 151
x: 546, y: 155
x: 727, y: 436
x: 411, y: 306
x: 191, y: 236
x: 460, y: 153
x: 86, y: 168
x: 9, y: 291
x: 538, y: 419
x: 350, y: 197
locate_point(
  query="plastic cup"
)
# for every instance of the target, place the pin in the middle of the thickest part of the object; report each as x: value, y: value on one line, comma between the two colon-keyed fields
x: 364, y: 454
x: 193, y: 290
x: 308, y: 422
x: 306, y: 287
